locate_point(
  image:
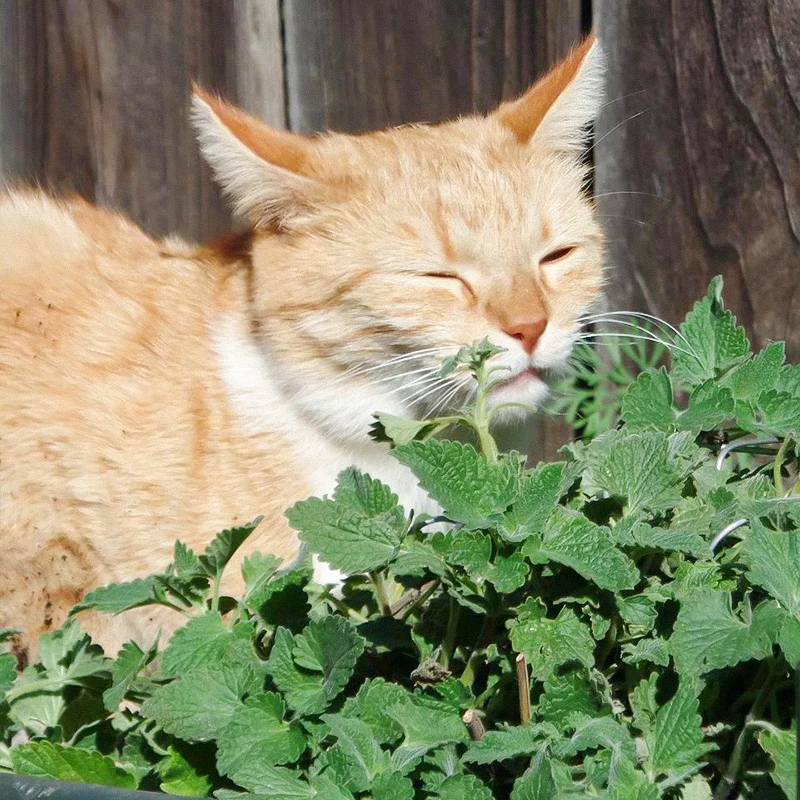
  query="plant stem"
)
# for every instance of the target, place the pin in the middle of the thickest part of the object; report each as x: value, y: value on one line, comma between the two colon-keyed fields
x: 778, y: 463
x: 450, y: 633
x: 215, y: 597
x: 476, y: 656
x: 422, y: 595
x: 345, y: 609
x: 380, y: 593
x: 474, y: 725
x: 524, y: 687
x: 731, y: 775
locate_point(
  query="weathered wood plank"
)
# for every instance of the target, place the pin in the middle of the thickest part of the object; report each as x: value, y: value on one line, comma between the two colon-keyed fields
x: 95, y: 99
x: 707, y: 180
x: 356, y: 66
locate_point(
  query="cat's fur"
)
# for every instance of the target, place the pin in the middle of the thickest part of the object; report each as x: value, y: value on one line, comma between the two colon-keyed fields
x: 154, y: 391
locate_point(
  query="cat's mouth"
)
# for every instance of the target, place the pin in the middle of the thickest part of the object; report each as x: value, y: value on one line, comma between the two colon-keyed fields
x: 520, y: 378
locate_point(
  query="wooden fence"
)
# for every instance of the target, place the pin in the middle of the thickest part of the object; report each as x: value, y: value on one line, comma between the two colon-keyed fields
x: 706, y: 180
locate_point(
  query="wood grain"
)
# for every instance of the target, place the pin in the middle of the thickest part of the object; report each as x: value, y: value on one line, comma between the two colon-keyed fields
x: 707, y: 180
x: 95, y: 99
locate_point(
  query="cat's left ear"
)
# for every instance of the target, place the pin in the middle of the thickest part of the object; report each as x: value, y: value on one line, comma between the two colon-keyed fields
x: 555, y: 111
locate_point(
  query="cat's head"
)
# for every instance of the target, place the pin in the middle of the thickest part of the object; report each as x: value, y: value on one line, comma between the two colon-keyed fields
x: 378, y: 255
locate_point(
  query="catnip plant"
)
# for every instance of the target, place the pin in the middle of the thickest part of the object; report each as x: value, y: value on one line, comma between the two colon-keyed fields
x: 621, y: 624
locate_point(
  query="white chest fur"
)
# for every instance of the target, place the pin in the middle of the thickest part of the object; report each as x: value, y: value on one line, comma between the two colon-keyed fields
x: 261, y: 405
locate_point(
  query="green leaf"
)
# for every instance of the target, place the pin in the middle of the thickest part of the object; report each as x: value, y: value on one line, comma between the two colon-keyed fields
x: 646, y: 469
x: 221, y: 685
x: 258, y: 569
x: 129, y: 662
x: 8, y: 672
x: 279, y: 783
x: 708, y: 635
x: 469, y: 488
x: 654, y: 650
x: 773, y: 561
x: 547, y: 643
x: 203, y: 640
x: 256, y: 737
x: 369, y: 705
x: 505, y: 743
x: 392, y: 786
x: 48, y: 760
x: 756, y: 375
x: 313, y: 667
x: 782, y: 747
x: 696, y: 789
x: 540, y: 491
x: 776, y: 413
x: 593, y: 732
x: 463, y: 787
x: 186, y: 772
x: 648, y: 402
x: 360, y: 529
x: 569, y: 693
x: 676, y: 741
x: 222, y: 548
x: 538, y: 782
x: 714, y: 341
x: 709, y: 406
x: 629, y: 532
x: 423, y: 729
x: 638, y: 611
x: 574, y: 541
x: 118, y: 597
x: 400, y: 430
x: 359, y: 743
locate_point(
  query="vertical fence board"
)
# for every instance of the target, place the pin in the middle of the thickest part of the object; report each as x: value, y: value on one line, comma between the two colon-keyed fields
x: 95, y: 100
x: 707, y: 179
x: 354, y: 66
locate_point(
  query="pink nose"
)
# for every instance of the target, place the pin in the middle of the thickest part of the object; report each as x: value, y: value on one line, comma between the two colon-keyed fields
x: 528, y: 333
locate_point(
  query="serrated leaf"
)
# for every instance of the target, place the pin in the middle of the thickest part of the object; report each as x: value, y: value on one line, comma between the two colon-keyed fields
x: 463, y: 787
x: 709, y: 406
x: 654, y: 650
x: 756, y: 375
x: 646, y: 469
x: 280, y: 783
x: 392, y: 786
x: 256, y: 737
x: 203, y: 640
x: 569, y: 693
x: 369, y: 705
x: 696, y: 789
x: 538, y: 782
x: 423, y: 729
x: 773, y: 561
x: 115, y: 598
x: 130, y: 660
x: 638, y: 611
x: 547, y: 643
x: 629, y: 532
x: 400, y: 430
x: 713, y: 340
x: 540, y: 491
x: 775, y: 413
x: 313, y: 667
x: 470, y: 489
x: 782, y: 747
x: 360, y: 745
x: 594, y: 732
x: 258, y: 569
x: 708, y: 635
x: 360, y: 529
x: 188, y: 777
x: 223, y: 546
x: 221, y: 685
x: 576, y: 542
x: 48, y: 760
x: 676, y: 741
x: 505, y: 743
x: 648, y: 402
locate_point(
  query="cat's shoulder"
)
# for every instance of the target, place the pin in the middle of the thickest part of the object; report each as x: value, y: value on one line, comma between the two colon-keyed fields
x: 41, y: 232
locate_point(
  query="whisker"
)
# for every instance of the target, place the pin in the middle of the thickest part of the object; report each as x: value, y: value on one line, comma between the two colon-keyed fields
x: 622, y: 216
x: 363, y: 369
x: 655, y: 339
x: 643, y: 315
x: 611, y: 130
x: 435, y: 388
x: 628, y: 191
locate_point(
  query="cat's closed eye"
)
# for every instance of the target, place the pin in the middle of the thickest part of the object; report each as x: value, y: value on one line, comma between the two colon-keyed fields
x: 451, y: 276
x: 557, y: 255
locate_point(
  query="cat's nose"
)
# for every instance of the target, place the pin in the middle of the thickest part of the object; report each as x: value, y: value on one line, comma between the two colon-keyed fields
x: 527, y: 333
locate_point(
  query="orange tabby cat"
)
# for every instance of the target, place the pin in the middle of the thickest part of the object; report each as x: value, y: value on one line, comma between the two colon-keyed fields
x: 154, y: 391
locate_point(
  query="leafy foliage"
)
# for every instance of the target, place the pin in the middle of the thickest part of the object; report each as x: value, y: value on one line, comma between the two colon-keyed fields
x: 655, y: 669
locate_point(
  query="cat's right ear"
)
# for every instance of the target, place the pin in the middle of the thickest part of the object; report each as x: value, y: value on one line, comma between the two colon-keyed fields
x: 261, y: 168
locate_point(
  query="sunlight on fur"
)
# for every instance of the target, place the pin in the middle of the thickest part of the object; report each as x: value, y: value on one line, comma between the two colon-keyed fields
x: 154, y: 391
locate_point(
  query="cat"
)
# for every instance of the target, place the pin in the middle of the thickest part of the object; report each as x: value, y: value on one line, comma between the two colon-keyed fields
x: 157, y: 390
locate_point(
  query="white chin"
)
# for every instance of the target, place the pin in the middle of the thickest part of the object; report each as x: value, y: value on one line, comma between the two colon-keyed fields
x: 526, y: 390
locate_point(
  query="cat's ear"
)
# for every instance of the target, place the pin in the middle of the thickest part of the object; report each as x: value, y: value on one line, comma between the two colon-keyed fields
x: 556, y: 109
x: 261, y: 168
